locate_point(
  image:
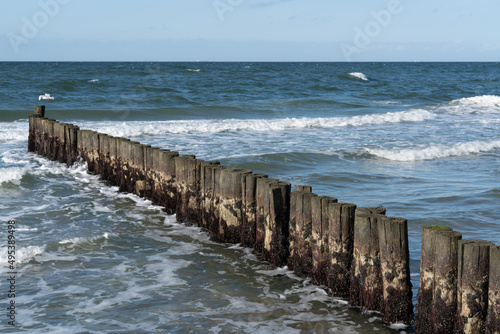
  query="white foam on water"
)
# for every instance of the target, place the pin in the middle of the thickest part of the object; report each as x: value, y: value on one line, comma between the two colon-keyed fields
x: 386, y: 102
x: 94, y: 80
x: 49, y: 257
x: 132, y: 293
x: 13, y: 132
x: 398, y: 326
x: 101, y: 208
x: 22, y: 255
x: 358, y: 75
x: 12, y: 175
x: 432, y: 152
x: 82, y: 240
x: 484, y: 104
x: 164, y: 269
x: 140, y: 128
x: 27, y: 229
x: 178, y: 229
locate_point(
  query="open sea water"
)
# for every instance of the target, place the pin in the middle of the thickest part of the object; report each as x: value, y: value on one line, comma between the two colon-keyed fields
x: 420, y: 139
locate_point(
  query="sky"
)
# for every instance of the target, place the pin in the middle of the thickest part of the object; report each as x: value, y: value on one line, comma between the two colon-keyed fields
x: 250, y: 30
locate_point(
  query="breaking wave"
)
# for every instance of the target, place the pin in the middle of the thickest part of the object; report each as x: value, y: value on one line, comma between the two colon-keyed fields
x: 435, y: 151
x: 134, y: 129
x: 485, y: 104
x: 358, y: 75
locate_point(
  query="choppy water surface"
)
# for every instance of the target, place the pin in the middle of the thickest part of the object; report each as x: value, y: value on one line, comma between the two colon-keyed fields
x: 420, y: 139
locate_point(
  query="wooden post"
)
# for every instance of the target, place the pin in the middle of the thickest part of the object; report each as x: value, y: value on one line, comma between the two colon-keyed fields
x: 397, y: 306
x: 472, y: 291
x: 95, y: 161
x: 186, y: 177
x: 168, y: 188
x: 340, y: 248
x: 366, y: 275
x: 493, y: 317
x: 306, y: 189
x: 301, y: 233
x: 123, y: 147
x: 437, y: 294
x: 263, y: 211
x: 31, y: 134
x: 248, y: 227
x: 276, y: 228
x: 230, y: 205
x: 319, y: 239
x: 50, y: 143
x: 40, y: 111
x: 207, y: 192
x: 71, y: 140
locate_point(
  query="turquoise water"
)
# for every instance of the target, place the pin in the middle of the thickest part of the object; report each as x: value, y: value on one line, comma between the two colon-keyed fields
x: 420, y: 139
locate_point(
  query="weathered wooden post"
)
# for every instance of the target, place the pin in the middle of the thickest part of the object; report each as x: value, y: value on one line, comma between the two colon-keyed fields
x: 95, y: 162
x: 366, y: 275
x: 472, y: 291
x: 437, y: 293
x: 187, y: 172
x: 230, y: 204
x: 249, y: 207
x: 301, y: 233
x: 276, y: 228
x: 397, y: 303
x: 40, y: 111
x: 71, y: 140
x: 167, y: 192
x: 113, y: 174
x: 214, y: 216
x: 263, y: 210
x: 295, y: 218
x: 31, y: 133
x: 340, y: 248
x: 150, y: 154
x: 104, y: 155
x: 493, y: 317
x: 49, y: 141
x: 59, y: 148
x: 123, y: 148
x: 207, y: 193
x: 319, y: 239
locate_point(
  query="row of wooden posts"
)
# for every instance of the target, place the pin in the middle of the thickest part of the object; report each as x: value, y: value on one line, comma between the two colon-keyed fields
x: 358, y: 254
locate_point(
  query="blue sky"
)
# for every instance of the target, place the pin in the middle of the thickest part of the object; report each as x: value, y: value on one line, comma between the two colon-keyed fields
x: 250, y: 30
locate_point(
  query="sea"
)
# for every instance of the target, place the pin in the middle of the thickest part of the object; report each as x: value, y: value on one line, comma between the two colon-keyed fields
x: 421, y: 139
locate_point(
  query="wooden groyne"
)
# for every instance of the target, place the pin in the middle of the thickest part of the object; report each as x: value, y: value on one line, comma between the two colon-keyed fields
x: 358, y: 254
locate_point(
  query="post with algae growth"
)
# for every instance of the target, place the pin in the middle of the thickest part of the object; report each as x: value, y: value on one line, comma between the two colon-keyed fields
x: 437, y: 295
x: 472, y: 292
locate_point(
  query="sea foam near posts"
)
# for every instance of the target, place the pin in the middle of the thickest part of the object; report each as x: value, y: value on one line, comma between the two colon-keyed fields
x: 12, y: 175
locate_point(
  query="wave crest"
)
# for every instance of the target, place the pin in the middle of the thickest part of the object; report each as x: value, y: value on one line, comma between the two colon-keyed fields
x: 358, y: 75
x: 12, y: 175
x: 135, y: 129
x: 433, y: 152
x: 484, y: 104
